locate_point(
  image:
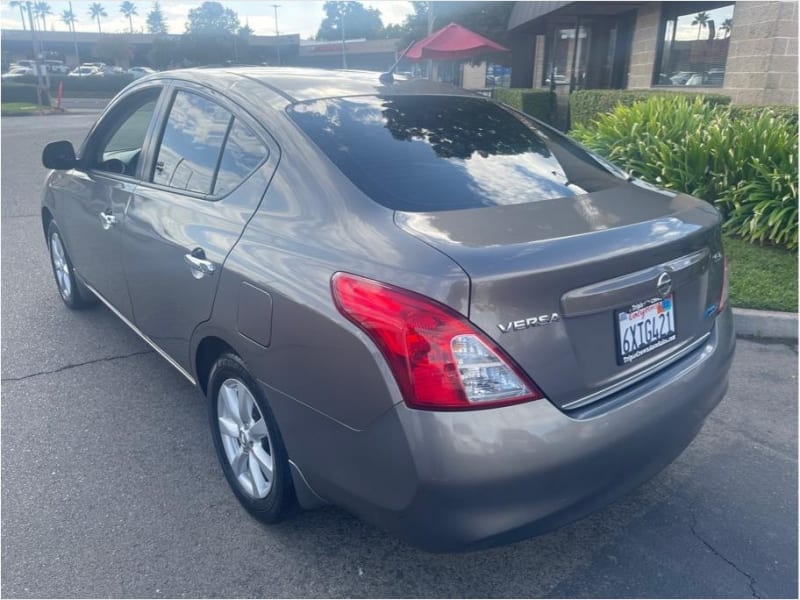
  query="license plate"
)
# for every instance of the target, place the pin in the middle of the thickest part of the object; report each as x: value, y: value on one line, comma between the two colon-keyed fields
x: 644, y: 327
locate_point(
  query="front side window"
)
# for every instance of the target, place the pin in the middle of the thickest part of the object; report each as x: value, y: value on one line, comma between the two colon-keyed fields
x: 694, y: 50
x: 431, y: 153
x: 122, y: 134
x: 190, y: 147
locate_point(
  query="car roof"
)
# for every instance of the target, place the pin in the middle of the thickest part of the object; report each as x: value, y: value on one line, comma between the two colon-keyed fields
x: 297, y: 84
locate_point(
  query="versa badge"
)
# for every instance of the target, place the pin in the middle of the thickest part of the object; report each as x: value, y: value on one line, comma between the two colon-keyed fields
x: 529, y: 322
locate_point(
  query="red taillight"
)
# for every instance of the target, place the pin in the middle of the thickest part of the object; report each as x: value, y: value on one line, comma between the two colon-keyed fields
x: 439, y: 359
x: 723, y: 297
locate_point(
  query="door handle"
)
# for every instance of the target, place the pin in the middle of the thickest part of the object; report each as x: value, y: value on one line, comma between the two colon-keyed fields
x: 107, y: 220
x: 199, y: 265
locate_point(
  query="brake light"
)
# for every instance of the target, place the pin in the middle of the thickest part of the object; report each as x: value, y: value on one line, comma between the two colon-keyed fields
x: 723, y: 298
x: 439, y: 359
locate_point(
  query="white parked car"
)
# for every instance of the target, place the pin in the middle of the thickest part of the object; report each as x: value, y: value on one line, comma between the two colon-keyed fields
x: 57, y: 67
x: 15, y: 72
x: 86, y: 71
x: 140, y: 71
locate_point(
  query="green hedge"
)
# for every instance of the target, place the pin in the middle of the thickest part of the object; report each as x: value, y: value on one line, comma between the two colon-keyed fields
x: 107, y: 85
x: 18, y: 92
x: 751, y: 110
x: 743, y: 161
x: 534, y: 102
x: 587, y: 105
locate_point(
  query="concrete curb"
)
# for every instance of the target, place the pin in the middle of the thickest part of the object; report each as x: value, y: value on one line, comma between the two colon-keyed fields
x: 765, y: 324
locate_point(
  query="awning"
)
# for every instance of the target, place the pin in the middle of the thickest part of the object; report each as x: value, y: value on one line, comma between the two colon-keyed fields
x: 452, y: 42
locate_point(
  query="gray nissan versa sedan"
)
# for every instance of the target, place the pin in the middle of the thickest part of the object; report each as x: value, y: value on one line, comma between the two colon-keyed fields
x: 398, y: 297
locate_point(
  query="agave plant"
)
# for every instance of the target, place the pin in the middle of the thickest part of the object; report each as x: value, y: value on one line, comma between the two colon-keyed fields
x: 747, y: 165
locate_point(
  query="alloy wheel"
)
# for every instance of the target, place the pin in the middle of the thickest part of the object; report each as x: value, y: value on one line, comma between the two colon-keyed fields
x: 245, y: 438
x: 60, y: 266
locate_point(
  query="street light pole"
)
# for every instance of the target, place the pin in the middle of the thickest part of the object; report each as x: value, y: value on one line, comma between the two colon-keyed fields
x: 344, y: 50
x: 74, y: 37
x: 36, y: 57
x: 277, y: 35
x: 431, y: 20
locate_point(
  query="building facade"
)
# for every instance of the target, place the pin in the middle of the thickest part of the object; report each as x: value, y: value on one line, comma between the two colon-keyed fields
x: 745, y: 49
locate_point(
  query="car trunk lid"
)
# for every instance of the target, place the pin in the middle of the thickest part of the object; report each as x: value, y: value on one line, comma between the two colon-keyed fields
x: 552, y: 279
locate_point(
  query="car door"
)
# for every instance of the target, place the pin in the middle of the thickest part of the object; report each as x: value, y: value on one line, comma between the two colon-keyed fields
x: 94, y: 195
x: 208, y: 171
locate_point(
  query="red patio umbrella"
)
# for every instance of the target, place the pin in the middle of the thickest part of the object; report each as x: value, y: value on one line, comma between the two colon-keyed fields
x: 452, y: 42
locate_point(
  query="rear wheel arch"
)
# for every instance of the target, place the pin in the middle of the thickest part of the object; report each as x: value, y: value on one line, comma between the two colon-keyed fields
x: 208, y: 351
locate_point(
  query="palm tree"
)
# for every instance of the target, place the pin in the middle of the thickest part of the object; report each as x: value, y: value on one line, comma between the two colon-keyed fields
x: 128, y: 9
x: 726, y: 26
x: 42, y: 10
x: 20, y: 4
x: 68, y: 17
x: 701, y: 20
x: 97, y: 10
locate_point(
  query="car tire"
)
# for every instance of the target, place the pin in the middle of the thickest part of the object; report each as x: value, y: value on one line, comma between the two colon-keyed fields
x: 74, y: 294
x: 246, y: 437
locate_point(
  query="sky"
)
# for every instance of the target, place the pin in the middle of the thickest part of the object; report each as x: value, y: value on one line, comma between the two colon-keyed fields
x: 294, y: 16
x: 688, y: 32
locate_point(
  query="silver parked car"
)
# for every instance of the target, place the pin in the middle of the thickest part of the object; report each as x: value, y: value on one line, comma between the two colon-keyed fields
x: 403, y: 299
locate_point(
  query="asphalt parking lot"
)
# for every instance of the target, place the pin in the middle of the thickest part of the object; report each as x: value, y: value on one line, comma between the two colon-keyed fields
x: 110, y: 486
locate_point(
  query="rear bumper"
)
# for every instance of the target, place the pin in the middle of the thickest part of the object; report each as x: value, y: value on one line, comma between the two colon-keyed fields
x: 459, y: 480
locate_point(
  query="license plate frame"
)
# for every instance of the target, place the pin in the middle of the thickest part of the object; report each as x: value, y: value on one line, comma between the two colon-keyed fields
x: 636, y: 316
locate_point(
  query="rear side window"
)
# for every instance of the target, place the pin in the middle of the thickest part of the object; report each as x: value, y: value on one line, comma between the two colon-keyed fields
x: 431, y: 153
x: 243, y: 153
x: 191, y: 145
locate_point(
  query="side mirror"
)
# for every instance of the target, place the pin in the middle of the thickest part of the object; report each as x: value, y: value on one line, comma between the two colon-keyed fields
x: 59, y: 156
x: 114, y: 165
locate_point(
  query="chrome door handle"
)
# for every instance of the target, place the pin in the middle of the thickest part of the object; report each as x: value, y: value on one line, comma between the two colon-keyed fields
x: 107, y: 220
x: 199, y: 265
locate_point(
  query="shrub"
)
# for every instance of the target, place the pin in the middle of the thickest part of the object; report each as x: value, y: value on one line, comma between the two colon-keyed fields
x: 538, y: 103
x: 760, y: 191
x: 751, y: 110
x: 745, y: 161
x: 18, y: 92
x: 587, y: 105
x: 105, y: 86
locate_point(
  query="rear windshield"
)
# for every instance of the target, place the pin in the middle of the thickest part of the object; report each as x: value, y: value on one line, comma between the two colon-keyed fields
x: 431, y: 153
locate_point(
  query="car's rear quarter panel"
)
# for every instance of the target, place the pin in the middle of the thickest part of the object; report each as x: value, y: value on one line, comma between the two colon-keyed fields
x: 325, y: 378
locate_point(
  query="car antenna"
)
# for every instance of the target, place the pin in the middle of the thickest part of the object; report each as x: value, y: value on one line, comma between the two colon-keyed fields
x: 387, y: 78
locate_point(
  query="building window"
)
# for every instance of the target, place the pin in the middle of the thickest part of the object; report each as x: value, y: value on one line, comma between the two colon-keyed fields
x: 694, y: 45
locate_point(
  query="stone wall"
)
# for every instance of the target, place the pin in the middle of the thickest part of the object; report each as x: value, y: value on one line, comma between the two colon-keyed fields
x: 538, y: 65
x: 643, y: 48
x: 762, y: 60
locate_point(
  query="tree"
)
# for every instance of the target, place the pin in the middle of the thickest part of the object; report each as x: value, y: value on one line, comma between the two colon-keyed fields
x: 41, y: 10
x: 155, y: 20
x: 415, y: 27
x: 245, y: 31
x: 20, y: 4
x: 128, y: 9
x: 486, y: 18
x: 163, y: 52
x: 489, y: 19
x: 726, y: 26
x: 701, y: 20
x: 68, y: 17
x: 212, y: 18
x: 357, y: 21
x: 208, y: 48
x: 113, y: 48
x: 97, y: 10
